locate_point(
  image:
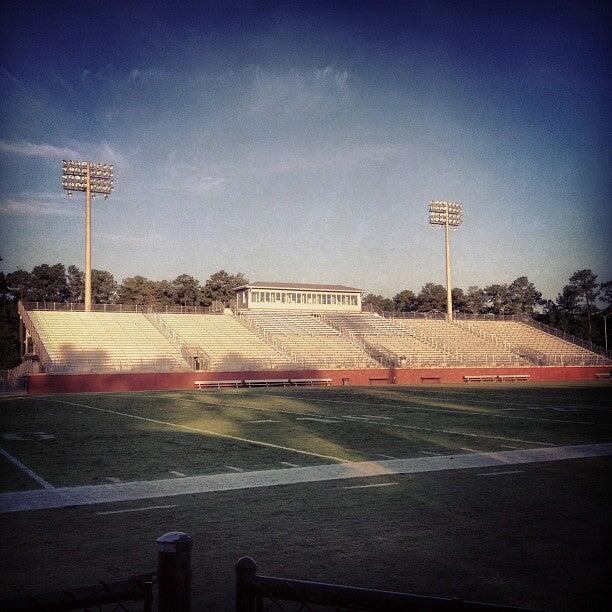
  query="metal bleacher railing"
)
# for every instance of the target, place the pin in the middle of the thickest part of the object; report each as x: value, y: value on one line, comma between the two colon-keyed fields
x: 135, y: 308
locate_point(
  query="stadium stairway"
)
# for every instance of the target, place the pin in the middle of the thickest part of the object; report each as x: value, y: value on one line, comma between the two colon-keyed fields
x: 309, y: 339
x: 227, y: 344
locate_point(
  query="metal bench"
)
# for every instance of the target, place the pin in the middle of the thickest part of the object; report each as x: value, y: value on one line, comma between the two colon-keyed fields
x: 311, y: 381
x: 217, y: 383
x: 514, y: 377
x: 267, y: 382
x: 482, y: 378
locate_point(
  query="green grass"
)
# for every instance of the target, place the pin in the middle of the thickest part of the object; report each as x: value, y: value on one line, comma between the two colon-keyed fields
x: 91, y: 446
x: 539, y: 537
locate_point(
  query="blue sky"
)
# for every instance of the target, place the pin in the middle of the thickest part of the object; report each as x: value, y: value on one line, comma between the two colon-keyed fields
x: 303, y: 141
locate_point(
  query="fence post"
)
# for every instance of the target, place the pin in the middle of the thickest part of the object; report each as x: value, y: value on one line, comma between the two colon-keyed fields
x: 246, y: 570
x: 174, y: 572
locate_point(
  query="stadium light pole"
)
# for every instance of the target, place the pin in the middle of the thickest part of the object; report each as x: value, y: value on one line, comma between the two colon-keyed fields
x: 447, y: 214
x: 92, y: 178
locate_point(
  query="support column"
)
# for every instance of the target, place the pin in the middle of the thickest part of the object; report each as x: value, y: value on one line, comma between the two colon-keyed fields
x: 88, y: 240
x: 449, y: 287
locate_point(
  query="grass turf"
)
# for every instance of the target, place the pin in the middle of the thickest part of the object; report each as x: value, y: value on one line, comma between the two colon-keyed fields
x: 539, y: 536
x: 150, y: 435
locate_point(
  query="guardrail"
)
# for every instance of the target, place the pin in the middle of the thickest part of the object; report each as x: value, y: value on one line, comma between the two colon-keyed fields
x: 129, y: 308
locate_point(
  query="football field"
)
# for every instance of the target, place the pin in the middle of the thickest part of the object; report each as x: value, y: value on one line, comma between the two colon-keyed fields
x: 495, y: 493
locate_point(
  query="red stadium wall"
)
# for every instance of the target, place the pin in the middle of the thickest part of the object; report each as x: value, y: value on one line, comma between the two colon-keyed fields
x: 41, y: 384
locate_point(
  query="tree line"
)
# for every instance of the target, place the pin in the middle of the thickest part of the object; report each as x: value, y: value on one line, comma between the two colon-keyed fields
x: 55, y: 283
x: 578, y: 309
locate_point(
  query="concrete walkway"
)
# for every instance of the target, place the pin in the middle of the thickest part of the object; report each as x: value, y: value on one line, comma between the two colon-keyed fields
x: 43, y: 499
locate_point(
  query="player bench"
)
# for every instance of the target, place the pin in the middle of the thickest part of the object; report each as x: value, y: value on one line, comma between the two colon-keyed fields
x: 202, y: 384
x: 481, y: 378
x: 267, y: 382
x: 603, y: 375
x: 513, y: 377
x: 311, y: 382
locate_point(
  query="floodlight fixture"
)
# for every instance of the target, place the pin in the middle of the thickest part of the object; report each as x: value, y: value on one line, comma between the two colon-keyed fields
x: 92, y: 178
x: 447, y: 215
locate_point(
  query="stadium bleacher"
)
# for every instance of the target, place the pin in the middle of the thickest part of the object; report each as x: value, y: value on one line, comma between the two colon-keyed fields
x: 310, y: 339
x: 104, y: 342
x: 538, y: 346
x: 228, y: 344
x: 258, y: 340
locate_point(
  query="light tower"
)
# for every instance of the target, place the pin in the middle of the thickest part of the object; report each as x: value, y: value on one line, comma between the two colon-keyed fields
x: 448, y: 214
x: 91, y: 178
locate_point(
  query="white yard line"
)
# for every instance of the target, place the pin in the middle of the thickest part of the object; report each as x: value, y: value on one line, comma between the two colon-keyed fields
x: 359, y: 420
x: 442, y: 410
x: 317, y: 419
x: 97, y: 494
x: 204, y: 431
x: 136, y: 509
x: 369, y: 486
x: 263, y: 421
x: 234, y: 469
x: 113, y: 479
x: 430, y: 453
x: 500, y: 473
x: 179, y: 474
x: 24, y: 468
x: 290, y: 464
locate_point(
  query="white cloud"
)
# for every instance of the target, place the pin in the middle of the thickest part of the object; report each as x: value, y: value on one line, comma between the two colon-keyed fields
x: 184, y: 177
x: 289, y: 92
x: 103, y: 152
x: 38, y: 207
x: 37, y: 150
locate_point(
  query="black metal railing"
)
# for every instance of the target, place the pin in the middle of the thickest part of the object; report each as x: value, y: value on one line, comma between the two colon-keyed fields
x: 103, y: 595
x: 171, y: 581
x: 255, y: 593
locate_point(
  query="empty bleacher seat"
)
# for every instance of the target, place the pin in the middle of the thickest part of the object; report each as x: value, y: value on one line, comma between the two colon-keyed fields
x: 104, y: 342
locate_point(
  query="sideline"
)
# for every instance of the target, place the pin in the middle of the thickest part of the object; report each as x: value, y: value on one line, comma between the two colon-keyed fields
x: 98, y: 494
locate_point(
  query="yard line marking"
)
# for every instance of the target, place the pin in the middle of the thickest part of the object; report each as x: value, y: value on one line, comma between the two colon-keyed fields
x: 500, y: 473
x: 385, y: 456
x: 364, y: 422
x: 40, y: 499
x: 469, y: 450
x: 180, y: 474
x: 445, y: 410
x: 41, y: 481
x: 136, y: 509
x: 290, y: 464
x: 12, y: 436
x: 205, y: 431
x: 369, y: 486
x: 512, y: 447
x: 234, y: 469
x: 264, y: 421
x: 430, y: 453
x: 375, y: 416
x: 113, y: 479
x: 316, y: 419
